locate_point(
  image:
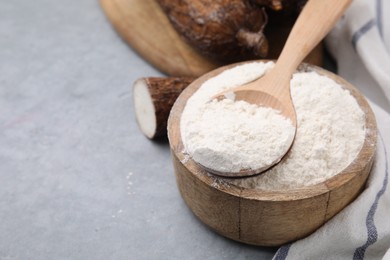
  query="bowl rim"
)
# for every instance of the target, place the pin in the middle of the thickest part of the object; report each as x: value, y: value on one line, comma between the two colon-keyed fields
x: 362, y: 160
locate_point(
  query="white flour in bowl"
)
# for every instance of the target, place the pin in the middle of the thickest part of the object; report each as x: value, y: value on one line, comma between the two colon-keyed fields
x: 330, y: 133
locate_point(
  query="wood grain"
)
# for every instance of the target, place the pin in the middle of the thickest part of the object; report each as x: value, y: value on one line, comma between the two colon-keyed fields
x: 268, y: 218
x: 143, y: 25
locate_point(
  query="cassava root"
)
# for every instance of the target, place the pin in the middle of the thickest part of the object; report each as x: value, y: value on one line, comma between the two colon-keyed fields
x: 226, y: 30
x: 153, y: 98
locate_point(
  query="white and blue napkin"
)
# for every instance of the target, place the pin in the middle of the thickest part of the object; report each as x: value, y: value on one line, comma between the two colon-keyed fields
x: 360, y: 43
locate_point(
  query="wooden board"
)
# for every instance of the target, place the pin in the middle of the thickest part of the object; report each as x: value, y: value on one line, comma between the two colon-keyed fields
x: 144, y: 26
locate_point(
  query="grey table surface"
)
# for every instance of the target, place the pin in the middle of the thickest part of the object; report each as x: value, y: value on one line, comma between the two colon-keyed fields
x: 78, y: 180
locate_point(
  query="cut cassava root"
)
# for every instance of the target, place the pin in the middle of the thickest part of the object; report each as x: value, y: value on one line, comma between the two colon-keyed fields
x: 153, y: 98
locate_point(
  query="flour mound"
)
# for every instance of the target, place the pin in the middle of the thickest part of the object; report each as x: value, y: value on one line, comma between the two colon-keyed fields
x: 229, y: 136
x: 330, y: 133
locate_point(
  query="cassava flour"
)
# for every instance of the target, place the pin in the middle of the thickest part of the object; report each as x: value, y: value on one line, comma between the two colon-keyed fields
x: 225, y: 135
x: 229, y: 136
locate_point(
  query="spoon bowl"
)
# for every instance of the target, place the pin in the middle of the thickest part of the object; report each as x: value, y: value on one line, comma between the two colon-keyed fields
x: 262, y: 98
x: 270, y: 91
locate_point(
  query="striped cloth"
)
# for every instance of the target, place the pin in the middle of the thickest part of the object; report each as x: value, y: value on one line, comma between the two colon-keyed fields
x: 360, y: 44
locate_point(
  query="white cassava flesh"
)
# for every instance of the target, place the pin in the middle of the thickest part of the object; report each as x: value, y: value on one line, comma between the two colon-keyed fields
x: 144, y: 108
x: 153, y: 99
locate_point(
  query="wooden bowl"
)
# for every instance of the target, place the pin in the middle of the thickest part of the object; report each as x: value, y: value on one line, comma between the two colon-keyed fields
x: 268, y: 218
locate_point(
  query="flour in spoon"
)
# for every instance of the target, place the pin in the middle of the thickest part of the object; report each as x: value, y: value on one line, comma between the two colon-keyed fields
x: 229, y: 136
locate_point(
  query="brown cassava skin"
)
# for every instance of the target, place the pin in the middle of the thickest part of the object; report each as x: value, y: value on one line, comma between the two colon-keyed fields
x: 226, y: 30
x: 164, y: 92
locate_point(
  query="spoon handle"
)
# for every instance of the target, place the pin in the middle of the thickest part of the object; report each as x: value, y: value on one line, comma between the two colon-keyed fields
x: 315, y: 21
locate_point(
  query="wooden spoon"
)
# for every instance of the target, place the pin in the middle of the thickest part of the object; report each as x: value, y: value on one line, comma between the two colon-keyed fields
x: 273, y: 89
